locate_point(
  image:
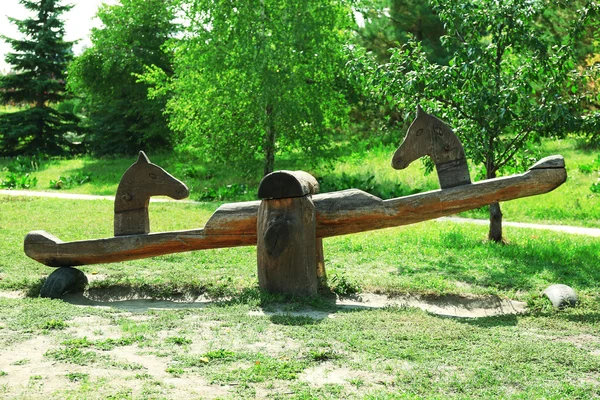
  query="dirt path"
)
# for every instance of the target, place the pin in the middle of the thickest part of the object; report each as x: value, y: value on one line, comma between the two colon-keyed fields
x: 576, y: 230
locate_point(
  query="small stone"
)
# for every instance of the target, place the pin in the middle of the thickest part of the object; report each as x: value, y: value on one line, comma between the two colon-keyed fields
x: 561, y: 296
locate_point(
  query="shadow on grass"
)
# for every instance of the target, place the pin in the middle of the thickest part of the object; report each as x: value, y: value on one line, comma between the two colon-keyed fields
x: 135, y: 305
x: 491, y: 322
x: 529, y: 263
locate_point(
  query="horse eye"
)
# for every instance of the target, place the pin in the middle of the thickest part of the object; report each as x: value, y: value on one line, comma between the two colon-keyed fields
x: 419, y: 132
x: 152, y: 175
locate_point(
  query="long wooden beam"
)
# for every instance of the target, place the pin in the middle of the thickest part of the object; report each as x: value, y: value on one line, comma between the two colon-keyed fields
x: 338, y: 213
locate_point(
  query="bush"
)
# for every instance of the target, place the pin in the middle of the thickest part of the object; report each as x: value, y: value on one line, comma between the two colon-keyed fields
x: 67, y: 182
x: 365, y: 182
x: 14, y: 181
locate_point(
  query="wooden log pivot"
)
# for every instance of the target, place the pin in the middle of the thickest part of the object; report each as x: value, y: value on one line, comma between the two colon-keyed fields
x: 286, y: 184
x: 287, y: 235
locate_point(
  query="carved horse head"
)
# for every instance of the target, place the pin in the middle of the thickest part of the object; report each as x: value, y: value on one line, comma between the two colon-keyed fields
x: 429, y: 136
x: 141, y: 181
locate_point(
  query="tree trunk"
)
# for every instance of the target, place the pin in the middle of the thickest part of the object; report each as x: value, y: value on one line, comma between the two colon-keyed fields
x: 495, y: 232
x: 269, y: 144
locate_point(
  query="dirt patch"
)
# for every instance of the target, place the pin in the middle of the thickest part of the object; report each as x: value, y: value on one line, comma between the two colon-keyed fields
x: 584, y: 342
x: 328, y: 373
x: 94, y: 328
x: 580, y: 341
x: 15, y: 294
x: 450, y: 306
x: 27, y: 373
x: 135, y: 303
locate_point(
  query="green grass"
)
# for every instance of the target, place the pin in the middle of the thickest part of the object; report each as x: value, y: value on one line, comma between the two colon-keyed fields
x: 571, y: 204
x: 233, y: 352
x: 388, y: 353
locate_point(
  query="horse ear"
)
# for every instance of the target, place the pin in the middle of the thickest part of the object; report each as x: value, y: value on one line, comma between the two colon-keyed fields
x: 420, y: 111
x: 143, y: 158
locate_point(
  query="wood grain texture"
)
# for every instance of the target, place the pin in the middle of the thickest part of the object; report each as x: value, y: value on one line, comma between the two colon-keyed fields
x: 286, y: 184
x: 141, y: 181
x: 51, y: 251
x: 430, y: 136
x: 286, y: 246
x: 368, y: 212
x: 337, y: 213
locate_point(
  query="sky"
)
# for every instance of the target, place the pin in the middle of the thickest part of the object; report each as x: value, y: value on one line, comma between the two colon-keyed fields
x: 78, y: 23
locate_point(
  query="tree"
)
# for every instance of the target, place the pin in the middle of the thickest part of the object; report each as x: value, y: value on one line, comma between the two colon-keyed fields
x: 121, y: 118
x: 39, y: 62
x: 392, y: 23
x: 253, y: 78
x: 506, y: 84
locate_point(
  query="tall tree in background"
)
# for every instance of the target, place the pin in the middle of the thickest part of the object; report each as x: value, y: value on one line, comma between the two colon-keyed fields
x: 507, y: 84
x: 39, y: 62
x: 252, y: 78
x: 391, y: 24
x: 121, y: 118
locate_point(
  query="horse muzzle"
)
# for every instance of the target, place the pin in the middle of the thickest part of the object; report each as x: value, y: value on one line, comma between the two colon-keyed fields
x: 399, y: 163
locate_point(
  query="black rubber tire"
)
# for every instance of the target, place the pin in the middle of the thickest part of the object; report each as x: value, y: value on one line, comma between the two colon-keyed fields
x: 64, y: 279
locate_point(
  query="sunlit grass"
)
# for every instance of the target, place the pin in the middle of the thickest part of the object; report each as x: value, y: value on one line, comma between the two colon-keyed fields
x: 573, y: 203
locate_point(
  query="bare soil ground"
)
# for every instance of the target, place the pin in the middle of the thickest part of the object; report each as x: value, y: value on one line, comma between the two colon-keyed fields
x: 136, y: 370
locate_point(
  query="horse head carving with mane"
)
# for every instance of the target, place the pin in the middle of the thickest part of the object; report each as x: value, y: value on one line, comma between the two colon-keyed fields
x: 429, y: 136
x: 141, y: 181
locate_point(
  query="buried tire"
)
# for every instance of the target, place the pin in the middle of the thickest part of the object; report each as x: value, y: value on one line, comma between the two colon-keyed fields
x: 63, y: 280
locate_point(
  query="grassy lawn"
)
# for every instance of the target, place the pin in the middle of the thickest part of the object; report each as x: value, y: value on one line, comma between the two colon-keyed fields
x: 250, y: 345
x: 142, y: 341
x: 571, y: 204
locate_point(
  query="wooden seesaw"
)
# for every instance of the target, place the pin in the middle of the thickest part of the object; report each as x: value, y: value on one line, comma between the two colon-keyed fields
x: 288, y: 224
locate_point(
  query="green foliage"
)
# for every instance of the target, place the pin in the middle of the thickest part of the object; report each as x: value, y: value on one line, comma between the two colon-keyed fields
x: 342, y: 285
x: 264, y: 78
x: 505, y: 85
x: 104, y: 345
x: 22, y: 164
x: 68, y: 182
x: 221, y: 354
x: 14, y: 181
x: 121, y: 118
x: 223, y: 193
x: 365, y: 182
x: 323, y: 355
x: 77, y: 377
x: 72, y: 356
x: 178, y: 340
x: 594, y: 166
x: 40, y: 62
x: 54, y: 324
x: 392, y: 23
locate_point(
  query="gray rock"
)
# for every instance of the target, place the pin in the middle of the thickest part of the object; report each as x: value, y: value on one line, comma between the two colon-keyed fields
x: 561, y: 296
